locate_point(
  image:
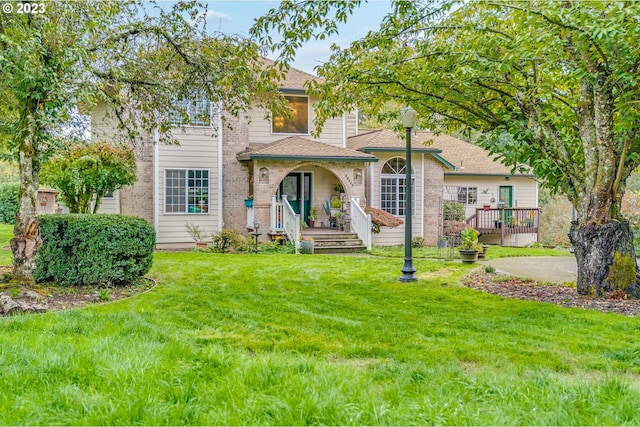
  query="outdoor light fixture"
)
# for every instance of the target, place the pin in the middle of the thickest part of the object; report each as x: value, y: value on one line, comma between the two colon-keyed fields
x: 408, y: 117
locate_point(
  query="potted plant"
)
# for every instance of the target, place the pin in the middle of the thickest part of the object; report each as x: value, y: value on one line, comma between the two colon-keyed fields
x: 306, y: 245
x: 338, y: 188
x: 197, y: 234
x: 313, y: 215
x: 469, y: 247
x: 483, y: 253
x: 336, y: 205
x: 248, y: 202
x: 443, y: 242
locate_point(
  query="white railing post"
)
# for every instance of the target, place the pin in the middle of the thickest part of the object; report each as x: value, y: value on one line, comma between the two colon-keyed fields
x: 291, y: 223
x: 361, y: 222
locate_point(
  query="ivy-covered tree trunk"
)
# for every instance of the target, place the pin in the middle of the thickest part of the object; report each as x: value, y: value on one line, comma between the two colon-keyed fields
x: 595, y: 246
x: 26, y: 240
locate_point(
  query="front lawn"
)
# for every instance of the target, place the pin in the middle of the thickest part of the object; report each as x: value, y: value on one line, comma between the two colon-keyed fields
x: 298, y: 339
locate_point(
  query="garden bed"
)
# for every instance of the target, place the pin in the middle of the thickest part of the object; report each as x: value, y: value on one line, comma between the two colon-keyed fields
x: 532, y: 290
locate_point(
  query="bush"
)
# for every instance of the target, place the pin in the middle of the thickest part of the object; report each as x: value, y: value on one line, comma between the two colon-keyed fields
x: 94, y: 249
x: 622, y: 274
x: 9, y: 202
x: 229, y: 238
x: 453, y: 211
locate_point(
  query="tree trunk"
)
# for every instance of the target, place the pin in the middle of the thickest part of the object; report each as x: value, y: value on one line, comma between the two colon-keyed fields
x: 26, y: 241
x: 595, y: 246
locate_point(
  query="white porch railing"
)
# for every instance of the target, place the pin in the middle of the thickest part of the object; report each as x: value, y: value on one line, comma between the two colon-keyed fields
x: 291, y: 223
x: 276, y: 215
x: 361, y: 222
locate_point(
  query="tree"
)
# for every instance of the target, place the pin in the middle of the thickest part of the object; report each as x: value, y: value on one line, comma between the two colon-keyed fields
x: 85, y: 173
x: 71, y: 54
x: 554, y: 85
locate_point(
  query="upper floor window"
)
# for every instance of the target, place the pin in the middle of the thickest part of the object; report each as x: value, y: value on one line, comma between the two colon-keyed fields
x: 186, y: 191
x: 299, y: 121
x: 468, y: 195
x: 192, y: 112
x: 393, y: 187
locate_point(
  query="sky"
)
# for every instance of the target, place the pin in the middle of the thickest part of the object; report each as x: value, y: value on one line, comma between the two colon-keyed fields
x: 236, y: 17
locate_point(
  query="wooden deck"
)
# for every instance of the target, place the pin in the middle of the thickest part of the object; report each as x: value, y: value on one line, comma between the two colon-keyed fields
x: 506, y: 221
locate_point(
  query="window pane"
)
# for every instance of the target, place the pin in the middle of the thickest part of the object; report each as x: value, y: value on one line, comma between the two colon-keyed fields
x: 175, y: 191
x: 299, y: 121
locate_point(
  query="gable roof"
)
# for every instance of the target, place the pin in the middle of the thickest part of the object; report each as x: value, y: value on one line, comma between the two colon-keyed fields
x: 460, y: 157
x: 294, y: 80
x: 298, y: 148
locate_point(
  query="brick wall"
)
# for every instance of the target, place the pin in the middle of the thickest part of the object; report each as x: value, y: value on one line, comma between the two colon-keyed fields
x: 137, y: 200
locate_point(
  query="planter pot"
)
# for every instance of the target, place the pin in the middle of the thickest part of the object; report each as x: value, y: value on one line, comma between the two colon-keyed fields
x: 468, y: 256
x: 484, y: 251
x: 202, y: 245
x: 442, y: 244
x: 486, y: 207
x: 306, y: 246
x: 312, y: 223
x: 248, y: 203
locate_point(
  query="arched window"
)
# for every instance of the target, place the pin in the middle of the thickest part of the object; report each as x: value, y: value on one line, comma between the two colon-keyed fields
x: 393, y: 186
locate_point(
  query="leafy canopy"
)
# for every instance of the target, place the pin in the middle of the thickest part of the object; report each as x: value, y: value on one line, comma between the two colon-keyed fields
x: 85, y: 173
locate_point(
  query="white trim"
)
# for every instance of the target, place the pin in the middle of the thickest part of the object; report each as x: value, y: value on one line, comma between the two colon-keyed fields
x: 422, y: 204
x: 186, y: 195
x: 220, y: 164
x: 156, y: 183
x: 344, y: 130
x: 371, y: 184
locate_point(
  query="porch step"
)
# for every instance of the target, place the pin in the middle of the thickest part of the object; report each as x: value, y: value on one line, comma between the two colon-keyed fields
x: 336, y: 242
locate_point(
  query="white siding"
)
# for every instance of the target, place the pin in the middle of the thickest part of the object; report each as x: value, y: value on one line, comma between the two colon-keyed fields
x: 110, y: 205
x: 524, y: 190
x: 197, y: 150
x: 395, y: 236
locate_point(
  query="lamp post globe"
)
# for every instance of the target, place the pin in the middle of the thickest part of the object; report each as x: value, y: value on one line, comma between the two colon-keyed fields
x: 408, y: 117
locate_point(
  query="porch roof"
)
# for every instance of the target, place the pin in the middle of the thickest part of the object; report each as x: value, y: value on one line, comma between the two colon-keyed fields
x: 298, y: 148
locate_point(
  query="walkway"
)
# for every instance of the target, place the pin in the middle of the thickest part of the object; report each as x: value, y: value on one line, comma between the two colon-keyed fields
x: 546, y: 268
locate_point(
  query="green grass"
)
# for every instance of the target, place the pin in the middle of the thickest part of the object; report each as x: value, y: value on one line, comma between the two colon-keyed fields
x: 6, y: 234
x: 295, y: 340
x: 493, y: 252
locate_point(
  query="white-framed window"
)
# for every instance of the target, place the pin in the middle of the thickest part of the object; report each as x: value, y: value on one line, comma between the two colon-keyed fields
x: 191, y: 112
x: 393, y: 187
x: 468, y: 195
x: 299, y: 121
x: 186, y: 191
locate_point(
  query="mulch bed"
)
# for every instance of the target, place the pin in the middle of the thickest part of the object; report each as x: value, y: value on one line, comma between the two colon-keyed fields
x: 565, y: 296
x: 56, y: 298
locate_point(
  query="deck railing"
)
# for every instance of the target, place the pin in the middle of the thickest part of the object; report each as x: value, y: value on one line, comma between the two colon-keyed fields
x: 361, y: 222
x: 506, y: 221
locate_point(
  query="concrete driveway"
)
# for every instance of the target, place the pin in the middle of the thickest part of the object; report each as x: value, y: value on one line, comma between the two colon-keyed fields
x: 545, y: 268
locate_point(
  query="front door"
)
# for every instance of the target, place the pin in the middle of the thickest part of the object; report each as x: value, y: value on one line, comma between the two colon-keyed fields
x: 505, y: 199
x: 297, y: 187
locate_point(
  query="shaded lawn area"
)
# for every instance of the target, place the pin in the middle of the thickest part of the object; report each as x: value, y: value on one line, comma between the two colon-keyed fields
x: 294, y: 340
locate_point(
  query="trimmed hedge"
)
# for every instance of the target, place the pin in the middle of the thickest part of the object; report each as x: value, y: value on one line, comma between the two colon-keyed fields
x: 9, y: 202
x: 88, y: 249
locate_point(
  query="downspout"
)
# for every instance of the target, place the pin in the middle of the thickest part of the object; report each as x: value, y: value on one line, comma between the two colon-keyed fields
x: 156, y: 182
x: 220, y: 186
x: 422, y: 194
x: 371, y: 181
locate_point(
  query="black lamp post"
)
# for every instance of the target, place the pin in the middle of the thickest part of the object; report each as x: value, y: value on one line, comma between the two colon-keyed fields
x: 408, y: 117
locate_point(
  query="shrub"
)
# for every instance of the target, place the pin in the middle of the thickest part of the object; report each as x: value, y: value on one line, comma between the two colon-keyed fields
x: 622, y: 273
x: 94, y: 249
x: 489, y: 269
x: 9, y: 202
x: 417, y: 242
x: 229, y: 238
x: 453, y: 211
